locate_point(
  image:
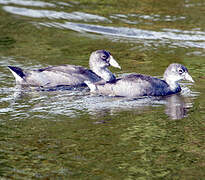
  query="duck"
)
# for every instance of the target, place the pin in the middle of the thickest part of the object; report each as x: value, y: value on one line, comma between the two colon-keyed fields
x: 135, y: 85
x: 68, y: 75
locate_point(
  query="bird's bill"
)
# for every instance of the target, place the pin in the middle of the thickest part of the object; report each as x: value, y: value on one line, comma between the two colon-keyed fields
x: 188, y: 77
x: 114, y: 63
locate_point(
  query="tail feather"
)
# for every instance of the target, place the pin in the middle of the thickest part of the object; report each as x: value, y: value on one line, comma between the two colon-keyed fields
x: 17, y: 72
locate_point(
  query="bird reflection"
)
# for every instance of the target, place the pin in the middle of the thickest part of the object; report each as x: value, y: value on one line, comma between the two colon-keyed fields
x: 176, y: 107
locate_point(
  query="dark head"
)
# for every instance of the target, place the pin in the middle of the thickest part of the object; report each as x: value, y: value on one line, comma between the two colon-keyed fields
x: 176, y: 72
x: 102, y: 59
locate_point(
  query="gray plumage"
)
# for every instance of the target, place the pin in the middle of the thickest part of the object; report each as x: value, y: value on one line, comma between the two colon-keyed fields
x: 134, y: 85
x: 68, y: 75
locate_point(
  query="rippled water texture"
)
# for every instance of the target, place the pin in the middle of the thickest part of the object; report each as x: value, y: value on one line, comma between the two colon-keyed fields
x: 73, y: 134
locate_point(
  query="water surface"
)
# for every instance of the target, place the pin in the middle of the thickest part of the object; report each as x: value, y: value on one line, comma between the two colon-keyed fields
x: 68, y: 134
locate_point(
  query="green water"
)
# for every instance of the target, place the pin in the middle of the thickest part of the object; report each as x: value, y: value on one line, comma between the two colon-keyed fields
x: 76, y: 135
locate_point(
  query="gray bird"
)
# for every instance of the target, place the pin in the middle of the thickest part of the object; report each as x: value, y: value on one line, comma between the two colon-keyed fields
x: 68, y: 75
x: 134, y: 85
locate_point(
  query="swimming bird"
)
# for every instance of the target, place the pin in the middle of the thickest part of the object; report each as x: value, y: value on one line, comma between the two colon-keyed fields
x: 134, y: 85
x: 68, y: 75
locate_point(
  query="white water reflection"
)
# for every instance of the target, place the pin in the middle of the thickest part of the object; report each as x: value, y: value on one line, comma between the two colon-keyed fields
x: 178, y: 31
x: 175, y: 37
x: 129, y: 32
x: 27, y: 3
x: 193, y: 4
x: 136, y: 18
x: 53, y: 14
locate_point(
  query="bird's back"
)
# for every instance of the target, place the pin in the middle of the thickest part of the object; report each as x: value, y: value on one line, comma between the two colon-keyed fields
x: 55, y: 76
x: 136, y: 85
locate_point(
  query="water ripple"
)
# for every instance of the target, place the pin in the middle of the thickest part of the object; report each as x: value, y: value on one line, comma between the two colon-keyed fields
x: 175, y: 37
x: 54, y: 14
x: 27, y: 3
x: 145, y: 17
x: 184, y: 39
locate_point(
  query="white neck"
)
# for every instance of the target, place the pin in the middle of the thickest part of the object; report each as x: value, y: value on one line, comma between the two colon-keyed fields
x: 172, y: 84
x: 104, y: 73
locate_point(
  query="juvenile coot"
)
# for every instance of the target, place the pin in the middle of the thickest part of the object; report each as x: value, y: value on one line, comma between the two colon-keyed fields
x: 134, y: 85
x: 70, y: 75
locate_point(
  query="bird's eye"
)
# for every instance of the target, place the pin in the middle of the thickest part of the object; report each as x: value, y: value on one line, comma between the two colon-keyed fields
x: 104, y: 57
x: 180, y: 71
